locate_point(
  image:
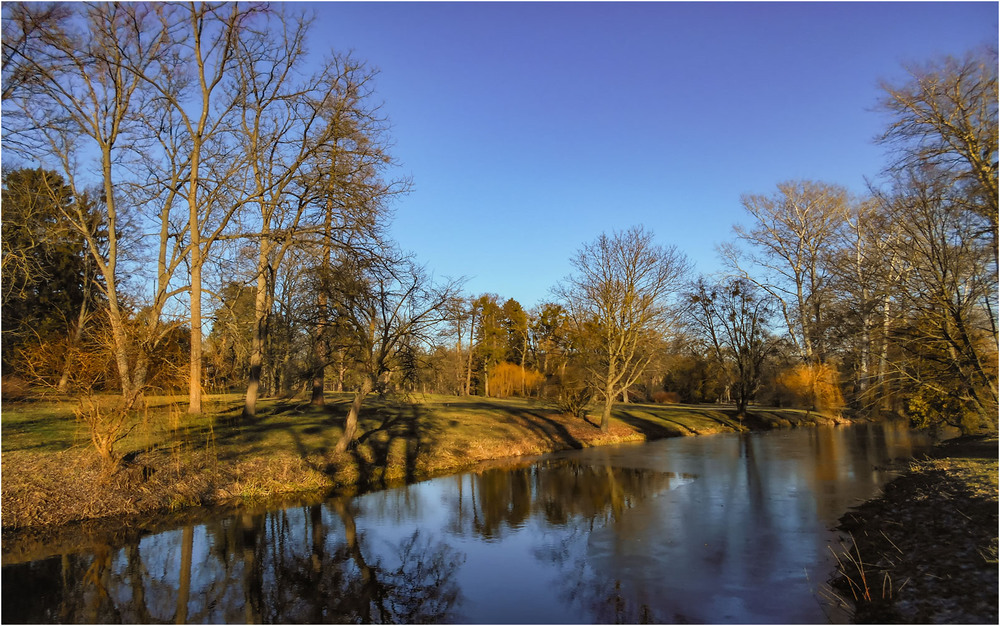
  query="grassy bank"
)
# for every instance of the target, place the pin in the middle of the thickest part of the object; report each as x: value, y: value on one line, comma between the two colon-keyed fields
x: 925, y: 552
x: 51, y: 475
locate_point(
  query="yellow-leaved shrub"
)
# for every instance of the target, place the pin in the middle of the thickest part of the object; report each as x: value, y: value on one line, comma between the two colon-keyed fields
x: 510, y: 379
x: 814, y: 386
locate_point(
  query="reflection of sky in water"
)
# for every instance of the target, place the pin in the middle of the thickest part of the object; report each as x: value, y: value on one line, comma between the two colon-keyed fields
x: 708, y: 529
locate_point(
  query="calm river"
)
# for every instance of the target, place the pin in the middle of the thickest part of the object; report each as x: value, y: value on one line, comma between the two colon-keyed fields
x: 713, y: 529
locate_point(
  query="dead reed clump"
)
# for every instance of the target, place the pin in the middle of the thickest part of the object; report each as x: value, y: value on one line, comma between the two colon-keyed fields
x: 868, y: 583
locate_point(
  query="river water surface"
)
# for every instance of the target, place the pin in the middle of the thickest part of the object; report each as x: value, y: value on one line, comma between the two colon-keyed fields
x: 713, y: 529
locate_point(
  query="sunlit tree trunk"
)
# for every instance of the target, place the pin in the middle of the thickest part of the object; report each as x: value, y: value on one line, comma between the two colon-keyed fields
x: 609, y: 403
x: 351, y: 423
x: 458, y: 355
x: 341, y: 369
x: 261, y: 308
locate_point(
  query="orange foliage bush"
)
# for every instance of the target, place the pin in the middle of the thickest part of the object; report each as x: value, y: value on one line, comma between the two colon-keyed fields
x: 506, y: 380
x: 666, y: 397
x: 814, y: 387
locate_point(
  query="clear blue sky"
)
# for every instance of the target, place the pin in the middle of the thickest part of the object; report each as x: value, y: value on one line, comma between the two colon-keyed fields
x: 530, y: 128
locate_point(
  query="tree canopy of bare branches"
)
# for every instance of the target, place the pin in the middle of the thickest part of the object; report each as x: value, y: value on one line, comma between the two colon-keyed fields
x: 620, y: 296
x: 788, y: 245
x: 945, y: 116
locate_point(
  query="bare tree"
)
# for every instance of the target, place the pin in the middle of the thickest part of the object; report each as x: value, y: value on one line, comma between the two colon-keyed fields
x: 789, y: 245
x: 867, y: 268
x: 205, y: 169
x: 620, y: 295
x: 27, y: 31
x: 387, y: 304
x: 79, y: 94
x: 347, y: 187
x: 289, y: 127
x: 946, y: 116
x: 943, y: 206
x: 733, y: 316
x: 948, y: 337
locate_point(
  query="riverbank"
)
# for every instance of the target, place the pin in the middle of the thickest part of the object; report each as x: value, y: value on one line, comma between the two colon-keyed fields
x: 173, y: 461
x: 926, y: 550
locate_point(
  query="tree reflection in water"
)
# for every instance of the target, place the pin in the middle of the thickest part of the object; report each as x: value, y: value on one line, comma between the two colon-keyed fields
x: 307, y: 565
x: 314, y: 565
x: 589, y: 536
x: 576, y: 499
x: 560, y: 490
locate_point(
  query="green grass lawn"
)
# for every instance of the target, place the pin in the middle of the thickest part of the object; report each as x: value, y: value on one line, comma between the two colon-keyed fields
x: 51, y: 473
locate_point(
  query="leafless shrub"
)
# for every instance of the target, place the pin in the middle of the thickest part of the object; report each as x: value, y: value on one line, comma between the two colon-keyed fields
x: 109, y: 419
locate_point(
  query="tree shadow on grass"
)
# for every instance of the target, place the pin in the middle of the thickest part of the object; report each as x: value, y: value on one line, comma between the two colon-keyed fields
x: 385, y: 453
x: 731, y: 418
x: 548, y: 428
x: 232, y: 436
x: 399, y: 424
x: 651, y: 428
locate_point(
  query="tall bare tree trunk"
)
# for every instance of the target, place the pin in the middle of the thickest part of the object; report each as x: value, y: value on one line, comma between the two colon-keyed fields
x: 460, y: 360
x: 320, y: 352
x: 468, y: 371
x: 318, y: 369
x: 194, y: 386
x: 257, y: 344
x: 341, y: 369
x: 524, y: 355
x: 194, y: 226
x: 883, y: 360
x: 609, y: 401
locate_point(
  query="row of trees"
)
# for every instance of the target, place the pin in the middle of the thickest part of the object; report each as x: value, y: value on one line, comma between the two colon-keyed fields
x: 208, y: 150
x: 184, y: 152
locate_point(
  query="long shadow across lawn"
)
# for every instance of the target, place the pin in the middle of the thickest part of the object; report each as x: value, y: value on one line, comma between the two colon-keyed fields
x: 548, y: 428
x: 237, y: 436
x: 404, y: 422
x: 544, y: 427
x: 651, y: 429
